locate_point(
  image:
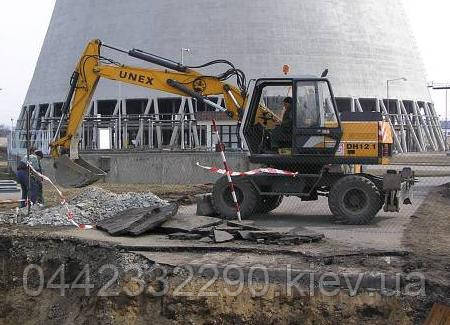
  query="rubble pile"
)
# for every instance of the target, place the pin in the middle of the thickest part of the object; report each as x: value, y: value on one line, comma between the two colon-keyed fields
x: 227, y: 231
x: 92, y: 205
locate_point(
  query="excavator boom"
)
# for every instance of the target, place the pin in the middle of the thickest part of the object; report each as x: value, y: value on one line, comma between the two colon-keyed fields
x: 73, y: 171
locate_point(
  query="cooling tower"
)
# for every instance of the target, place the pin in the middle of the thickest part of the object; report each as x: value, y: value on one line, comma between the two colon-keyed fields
x: 363, y: 43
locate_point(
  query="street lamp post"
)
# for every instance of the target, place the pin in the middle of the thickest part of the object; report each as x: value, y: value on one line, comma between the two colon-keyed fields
x: 387, y: 89
x: 446, y: 87
x: 11, y: 136
x: 182, y: 54
x: 446, y: 118
x: 388, y: 103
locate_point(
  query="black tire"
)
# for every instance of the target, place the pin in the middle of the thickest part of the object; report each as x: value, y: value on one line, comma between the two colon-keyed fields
x: 354, y: 200
x: 268, y: 203
x: 222, y: 199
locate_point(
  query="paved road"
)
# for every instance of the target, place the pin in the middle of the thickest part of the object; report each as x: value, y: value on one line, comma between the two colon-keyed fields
x: 384, y: 233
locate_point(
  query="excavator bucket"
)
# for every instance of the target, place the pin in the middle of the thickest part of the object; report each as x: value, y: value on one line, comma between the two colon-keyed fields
x: 75, y: 173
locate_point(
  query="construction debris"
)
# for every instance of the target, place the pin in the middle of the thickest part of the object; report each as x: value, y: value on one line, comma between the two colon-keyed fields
x: 137, y: 221
x: 91, y: 206
x: 281, y: 238
x: 204, y: 205
x: 260, y: 234
x: 222, y: 236
x: 228, y: 231
x: 231, y: 230
x: 206, y: 240
x: 189, y: 223
x: 184, y: 236
x: 244, y: 225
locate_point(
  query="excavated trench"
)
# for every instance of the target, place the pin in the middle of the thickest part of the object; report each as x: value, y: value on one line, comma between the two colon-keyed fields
x: 55, y: 281
x: 46, y: 278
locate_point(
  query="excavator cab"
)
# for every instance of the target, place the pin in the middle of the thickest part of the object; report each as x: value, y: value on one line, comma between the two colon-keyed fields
x: 310, y: 127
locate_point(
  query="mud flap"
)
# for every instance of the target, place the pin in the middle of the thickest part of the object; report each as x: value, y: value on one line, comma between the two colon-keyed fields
x: 75, y: 173
x: 398, y: 189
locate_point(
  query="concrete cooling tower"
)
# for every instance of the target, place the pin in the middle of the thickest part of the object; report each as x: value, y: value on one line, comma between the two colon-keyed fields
x: 367, y: 45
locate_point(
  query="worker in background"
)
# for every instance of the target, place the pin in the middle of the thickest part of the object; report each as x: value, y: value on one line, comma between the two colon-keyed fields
x: 282, y: 134
x: 31, y: 179
x: 40, y: 193
x: 32, y: 158
x: 22, y: 179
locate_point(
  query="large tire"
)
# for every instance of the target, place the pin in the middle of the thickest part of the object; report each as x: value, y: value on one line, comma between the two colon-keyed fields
x: 354, y: 200
x: 222, y: 199
x: 268, y: 203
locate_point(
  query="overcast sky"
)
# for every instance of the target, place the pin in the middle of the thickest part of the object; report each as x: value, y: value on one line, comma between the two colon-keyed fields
x: 23, y: 24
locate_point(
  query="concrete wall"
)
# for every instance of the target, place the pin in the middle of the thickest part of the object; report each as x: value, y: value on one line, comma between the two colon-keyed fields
x: 180, y: 167
x: 161, y: 168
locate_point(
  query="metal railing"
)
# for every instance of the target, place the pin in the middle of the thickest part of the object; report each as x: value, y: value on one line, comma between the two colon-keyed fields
x: 140, y: 132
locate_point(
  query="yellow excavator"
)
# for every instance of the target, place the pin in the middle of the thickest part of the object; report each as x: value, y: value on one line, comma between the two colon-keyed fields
x: 326, y: 148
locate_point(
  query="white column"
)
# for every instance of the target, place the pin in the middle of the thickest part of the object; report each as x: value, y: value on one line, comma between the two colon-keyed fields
x: 159, y: 135
x: 410, y: 126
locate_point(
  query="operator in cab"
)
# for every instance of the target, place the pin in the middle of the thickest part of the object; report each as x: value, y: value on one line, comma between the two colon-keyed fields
x: 282, y: 134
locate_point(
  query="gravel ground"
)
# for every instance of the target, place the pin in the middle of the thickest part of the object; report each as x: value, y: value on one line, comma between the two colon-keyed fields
x: 89, y: 206
x: 182, y: 194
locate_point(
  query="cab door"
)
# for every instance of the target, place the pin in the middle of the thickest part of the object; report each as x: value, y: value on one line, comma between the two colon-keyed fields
x: 317, y: 129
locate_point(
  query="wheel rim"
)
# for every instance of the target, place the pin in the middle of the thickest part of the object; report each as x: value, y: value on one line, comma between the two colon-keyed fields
x: 355, y: 200
x: 228, y: 197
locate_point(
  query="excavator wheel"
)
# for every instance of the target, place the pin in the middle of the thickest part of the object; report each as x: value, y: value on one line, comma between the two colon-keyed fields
x: 354, y: 200
x: 246, y: 194
x: 268, y: 203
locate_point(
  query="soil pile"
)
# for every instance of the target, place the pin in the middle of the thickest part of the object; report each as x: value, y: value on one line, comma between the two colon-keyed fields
x: 427, y: 236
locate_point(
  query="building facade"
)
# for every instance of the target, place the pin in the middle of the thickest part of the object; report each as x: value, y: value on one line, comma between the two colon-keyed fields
x: 367, y: 45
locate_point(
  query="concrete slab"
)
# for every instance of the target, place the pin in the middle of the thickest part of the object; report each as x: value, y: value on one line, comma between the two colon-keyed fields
x: 187, y: 221
x: 184, y: 236
x: 136, y: 221
x: 222, y: 236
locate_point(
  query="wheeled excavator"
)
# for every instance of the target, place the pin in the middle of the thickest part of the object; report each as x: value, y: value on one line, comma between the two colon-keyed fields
x: 327, y: 150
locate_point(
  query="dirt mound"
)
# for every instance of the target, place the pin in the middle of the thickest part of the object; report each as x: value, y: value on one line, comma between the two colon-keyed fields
x: 427, y: 236
x: 91, y: 205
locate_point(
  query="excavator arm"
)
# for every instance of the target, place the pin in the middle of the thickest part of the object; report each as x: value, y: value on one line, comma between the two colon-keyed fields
x: 72, y: 170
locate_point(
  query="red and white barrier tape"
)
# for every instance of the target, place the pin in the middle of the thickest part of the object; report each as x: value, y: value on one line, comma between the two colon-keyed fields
x: 271, y: 171
x: 227, y: 171
x: 64, y: 203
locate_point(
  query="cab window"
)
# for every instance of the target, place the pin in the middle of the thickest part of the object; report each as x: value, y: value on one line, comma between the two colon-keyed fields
x: 315, y: 107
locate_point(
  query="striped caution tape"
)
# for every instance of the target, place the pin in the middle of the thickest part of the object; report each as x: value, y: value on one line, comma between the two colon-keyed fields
x: 227, y: 171
x: 272, y: 171
x: 64, y: 203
